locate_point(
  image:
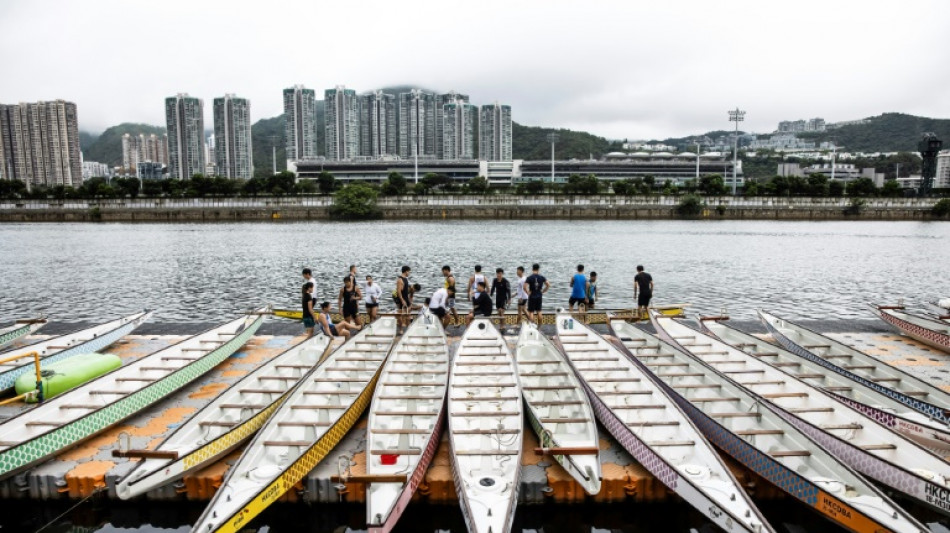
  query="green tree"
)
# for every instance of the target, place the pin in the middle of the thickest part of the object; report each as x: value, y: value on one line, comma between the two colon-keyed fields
x: 836, y: 188
x: 941, y: 208
x: 478, y: 185
x: 577, y: 184
x: 534, y: 187
x: 422, y: 188
x: 127, y: 186
x: 12, y: 189
x: 305, y: 187
x: 622, y: 187
x: 690, y: 205
x: 751, y: 188
x: 356, y: 201
x: 817, y: 184
x: 861, y: 187
x: 712, y: 185
x: 891, y: 188
x: 395, y: 185
x: 254, y: 186
x: 152, y: 188
x: 327, y: 182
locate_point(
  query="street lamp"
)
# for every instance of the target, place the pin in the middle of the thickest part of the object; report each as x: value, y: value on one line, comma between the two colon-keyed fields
x: 552, y: 138
x: 697, y: 162
x: 736, y: 116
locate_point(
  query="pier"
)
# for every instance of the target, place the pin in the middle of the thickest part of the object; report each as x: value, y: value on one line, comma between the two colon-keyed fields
x: 90, y: 468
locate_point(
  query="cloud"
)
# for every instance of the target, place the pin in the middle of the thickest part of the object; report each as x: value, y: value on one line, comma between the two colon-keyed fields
x: 618, y: 69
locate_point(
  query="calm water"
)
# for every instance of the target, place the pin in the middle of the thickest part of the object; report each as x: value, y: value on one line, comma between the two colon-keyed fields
x: 197, y: 272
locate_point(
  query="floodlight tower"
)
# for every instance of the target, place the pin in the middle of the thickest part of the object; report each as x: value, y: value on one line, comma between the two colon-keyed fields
x: 552, y: 138
x: 736, y: 116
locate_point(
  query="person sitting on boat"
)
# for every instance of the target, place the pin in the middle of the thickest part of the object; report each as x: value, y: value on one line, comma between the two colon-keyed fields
x: 349, y: 300
x: 307, y: 302
x: 438, y: 303
x: 482, y: 304
x: 343, y: 328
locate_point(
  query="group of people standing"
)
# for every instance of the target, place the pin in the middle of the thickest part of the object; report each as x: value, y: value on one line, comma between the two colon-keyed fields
x: 486, y: 296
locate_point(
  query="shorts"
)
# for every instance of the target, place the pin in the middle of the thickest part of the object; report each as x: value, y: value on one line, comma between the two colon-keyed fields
x: 450, y: 303
x: 501, y: 304
x: 308, y: 322
x: 590, y: 304
x: 351, y: 311
x: 522, y: 302
x: 574, y: 300
x: 438, y: 311
x: 534, y: 305
x: 371, y: 305
x: 643, y: 299
x: 333, y: 330
x: 399, y: 306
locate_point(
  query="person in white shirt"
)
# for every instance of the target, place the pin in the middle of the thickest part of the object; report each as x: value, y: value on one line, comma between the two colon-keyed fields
x: 522, y: 295
x: 371, y: 295
x: 438, y: 302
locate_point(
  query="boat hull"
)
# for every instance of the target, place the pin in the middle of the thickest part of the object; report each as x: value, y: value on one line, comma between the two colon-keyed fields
x: 935, y: 339
x: 9, y: 335
x: 37, y: 450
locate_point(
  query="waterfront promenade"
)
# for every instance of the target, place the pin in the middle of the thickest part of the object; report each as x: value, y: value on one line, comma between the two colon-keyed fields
x: 435, y: 207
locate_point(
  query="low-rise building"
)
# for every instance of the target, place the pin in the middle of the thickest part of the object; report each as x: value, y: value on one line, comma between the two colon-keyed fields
x: 93, y: 169
x: 942, y: 178
x: 150, y: 170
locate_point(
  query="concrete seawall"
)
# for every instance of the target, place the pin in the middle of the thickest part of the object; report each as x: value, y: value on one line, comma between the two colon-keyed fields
x: 438, y: 207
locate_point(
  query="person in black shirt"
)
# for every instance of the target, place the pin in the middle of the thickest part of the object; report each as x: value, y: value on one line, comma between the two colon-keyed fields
x: 349, y: 300
x: 501, y: 290
x: 642, y: 284
x: 536, y: 285
x: 307, y: 303
x: 482, y: 302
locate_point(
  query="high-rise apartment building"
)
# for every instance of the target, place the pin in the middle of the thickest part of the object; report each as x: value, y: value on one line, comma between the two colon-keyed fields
x: 300, y: 123
x: 450, y: 97
x: 39, y: 143
x: 156, y: 148
x: 377, y: 124
x: 494, y: 133
x: 143, y: 148
x: 417, y: 124
x: 459, y: 131
x: 342, y: 123
x: 184, y: 118
x: 232, y: 136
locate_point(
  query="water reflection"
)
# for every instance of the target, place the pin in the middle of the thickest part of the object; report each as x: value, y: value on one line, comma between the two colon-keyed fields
x: 209, y: 271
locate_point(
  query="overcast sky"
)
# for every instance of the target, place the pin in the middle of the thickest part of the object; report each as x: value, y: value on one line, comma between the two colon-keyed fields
x: 621, y: 69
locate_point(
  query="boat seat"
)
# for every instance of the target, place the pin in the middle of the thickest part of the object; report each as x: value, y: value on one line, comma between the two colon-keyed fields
x: 629, y: 339
x: 44, y: 423
x: 359, y: 359
x: 790, y: 453
x: 410, y: 397
x: 110, y: 392
x: 774, y: 382
x: 572, y: 335
x: 766, y: 354
x: 418, y: 372
x: 643, y: 406
x: 785, y: 395
x: 472, y: 414
x: 584, y: 359
x: 263, y: 391
x: 563, y: 386
x: 217, y: 423
x: 143, y: 380
x: 814, y: 346
x: 293, y: 366
x: 341, y: 380
x: 289, y: 443
x: 661, y: 365
x: 652, y: 356
x: 879, y: 380
x: 717, y: 352
x: 397, y: 431
x: 841, y: 426
x: 186, y: 349
x: 485, y: 399
x: 486, y: 385
x: 624, y: 392
x: 428, y: 384
x: 752, y: 432
x: 487, y: 452
x: 401, y: 451
x: 682, y: 374
x: 714, y: 399
x: 407, y: 413
x: 179, y: 358
x: 730, y: 372
x: 556, y: 403
x: 501, y: 431
x: 279, y: 378
x: 725, y: 361
x: 780, y: 365
x: 59, y: 347
x: 667, y: 443
x: 303, y: 424
x: 332, y: 392
x: 482, y: 363
x: 349, y: 369
x: 870, y: 447
x: 590, y: 350
x: 602, y: 369
x: 475, y: 374
x: 859, y: 367
x: 612, y: 380
x: 808, y: 376
x: 654, y: 423
x: 735, y: 415
x: 838, y: 356
x: 838, y: 388
x: 544, y: 374
x: 158, y: 368
x: 915, y: 393
x: 242, y: 406
x: 698, y: 386
x: 813, y: 410
x: 575, y: 343
x: 321, y: 406
x: 80, y: 406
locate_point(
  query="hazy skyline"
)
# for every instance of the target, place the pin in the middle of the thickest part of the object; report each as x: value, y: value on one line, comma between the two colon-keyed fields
x: 617, y: 69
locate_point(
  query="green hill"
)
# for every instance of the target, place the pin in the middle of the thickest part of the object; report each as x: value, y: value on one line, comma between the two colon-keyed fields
x: 890, y: 132
x: 265, y: 134
x: 107, y: 147
x: 531, y: 143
